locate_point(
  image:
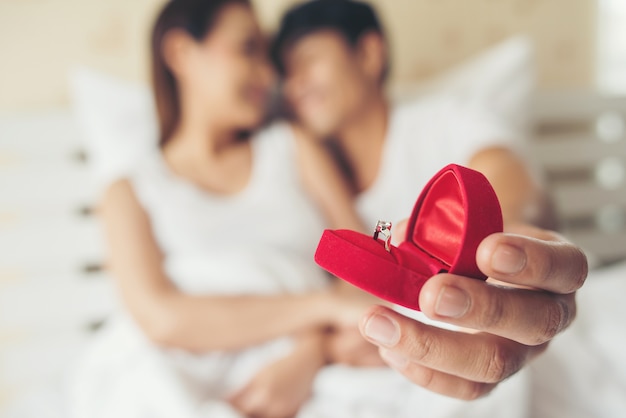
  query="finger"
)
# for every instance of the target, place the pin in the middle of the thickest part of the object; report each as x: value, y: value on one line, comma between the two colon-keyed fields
x: 235, y: 400
x: 248, y: 402
x: 527, y: 316
x: 434, y: 380
x: 554, y: 265
x: 243, y: 405
x: 259, y: 403
x: 477, y: 357
x: 399, y: 232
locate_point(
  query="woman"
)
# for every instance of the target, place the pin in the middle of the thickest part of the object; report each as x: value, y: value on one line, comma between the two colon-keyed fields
x: 211, y: 240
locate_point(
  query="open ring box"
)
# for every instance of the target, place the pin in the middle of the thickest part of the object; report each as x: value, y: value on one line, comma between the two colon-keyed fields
x: 457, y: 209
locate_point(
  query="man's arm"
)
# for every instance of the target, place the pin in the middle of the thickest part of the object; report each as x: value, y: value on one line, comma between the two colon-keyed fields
x: 523, y: 201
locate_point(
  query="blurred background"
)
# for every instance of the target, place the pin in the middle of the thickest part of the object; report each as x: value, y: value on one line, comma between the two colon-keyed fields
x: 53, y: 292
x: 43, y: 39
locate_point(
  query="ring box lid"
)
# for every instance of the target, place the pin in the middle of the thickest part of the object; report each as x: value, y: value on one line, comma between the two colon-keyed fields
x: 456, y: 210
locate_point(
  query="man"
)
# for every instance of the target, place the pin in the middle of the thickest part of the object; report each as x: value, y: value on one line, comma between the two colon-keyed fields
x: 334, y: 59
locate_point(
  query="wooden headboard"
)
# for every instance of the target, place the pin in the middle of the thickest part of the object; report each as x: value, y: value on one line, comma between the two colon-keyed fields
x: 579, y: 140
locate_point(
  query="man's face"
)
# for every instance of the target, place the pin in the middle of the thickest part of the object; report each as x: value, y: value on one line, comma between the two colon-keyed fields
x: 325, y: 83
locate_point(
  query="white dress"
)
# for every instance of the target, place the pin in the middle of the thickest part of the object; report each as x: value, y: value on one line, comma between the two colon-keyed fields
x: 258, y: 242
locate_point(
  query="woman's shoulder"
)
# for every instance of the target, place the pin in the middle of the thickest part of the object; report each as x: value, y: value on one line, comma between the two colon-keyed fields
x: 120, y: 197
x: 140, y: 183
x: 106, y: 172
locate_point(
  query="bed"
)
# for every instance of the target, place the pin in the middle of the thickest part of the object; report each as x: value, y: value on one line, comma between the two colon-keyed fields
x: 55, y: 291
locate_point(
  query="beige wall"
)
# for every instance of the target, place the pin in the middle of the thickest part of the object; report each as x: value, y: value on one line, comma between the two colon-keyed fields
x: 41, y: 39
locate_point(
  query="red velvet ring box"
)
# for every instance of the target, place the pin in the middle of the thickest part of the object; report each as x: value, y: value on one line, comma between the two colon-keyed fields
x: 457, y: 209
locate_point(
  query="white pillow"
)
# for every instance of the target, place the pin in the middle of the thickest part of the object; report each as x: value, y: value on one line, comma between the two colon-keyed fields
x: 500, y: 80
x: 119, y: 122
x: 117, y: 119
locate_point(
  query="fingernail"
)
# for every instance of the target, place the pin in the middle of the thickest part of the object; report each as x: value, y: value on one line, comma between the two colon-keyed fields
x: 508, y: 259
x: 452, y: 302
x: 395, y: 360
x: 382, y: 330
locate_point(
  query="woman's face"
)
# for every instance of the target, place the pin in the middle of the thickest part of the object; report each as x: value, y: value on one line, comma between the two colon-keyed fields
x: 228, y: 72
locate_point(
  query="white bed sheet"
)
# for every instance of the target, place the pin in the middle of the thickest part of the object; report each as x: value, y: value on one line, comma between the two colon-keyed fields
x: 583, y: 374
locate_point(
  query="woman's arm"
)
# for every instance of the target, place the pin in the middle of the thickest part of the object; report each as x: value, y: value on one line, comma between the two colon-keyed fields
x: 198, y: 323
x: 324, y: 182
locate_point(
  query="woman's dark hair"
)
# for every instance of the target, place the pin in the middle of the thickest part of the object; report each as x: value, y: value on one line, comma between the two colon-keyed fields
x: 195, y: 17
x: 350, y: 18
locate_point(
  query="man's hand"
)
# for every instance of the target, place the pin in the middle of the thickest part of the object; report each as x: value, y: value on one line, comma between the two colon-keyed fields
x: 537, y: 274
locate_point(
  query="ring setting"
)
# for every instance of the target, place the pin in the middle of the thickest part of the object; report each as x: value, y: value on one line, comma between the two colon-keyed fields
x: 384, y: 228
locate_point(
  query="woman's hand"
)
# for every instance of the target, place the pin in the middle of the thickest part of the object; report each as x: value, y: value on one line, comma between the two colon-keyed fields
x: 280, y: 389
x: 347, y: 346
x: 515, y: 323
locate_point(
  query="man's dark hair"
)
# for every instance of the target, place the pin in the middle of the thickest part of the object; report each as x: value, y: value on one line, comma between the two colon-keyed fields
x: 350, y: 18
